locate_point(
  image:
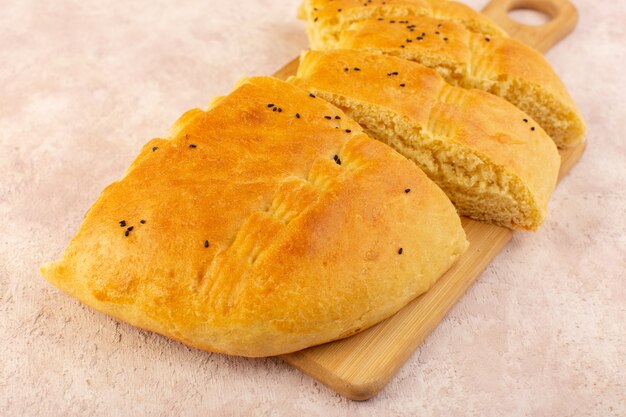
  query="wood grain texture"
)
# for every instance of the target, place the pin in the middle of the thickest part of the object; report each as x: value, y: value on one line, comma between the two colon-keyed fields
x: 360, y: 366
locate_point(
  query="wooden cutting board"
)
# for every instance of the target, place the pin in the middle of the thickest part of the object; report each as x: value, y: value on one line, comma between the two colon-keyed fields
x: 360, y: 366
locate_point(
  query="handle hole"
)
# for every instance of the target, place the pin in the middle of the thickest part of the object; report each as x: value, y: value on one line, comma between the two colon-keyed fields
x: 530, y: 17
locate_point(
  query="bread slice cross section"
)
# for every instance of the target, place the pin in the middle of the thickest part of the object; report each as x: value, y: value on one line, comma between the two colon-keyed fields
x: 494, y: 161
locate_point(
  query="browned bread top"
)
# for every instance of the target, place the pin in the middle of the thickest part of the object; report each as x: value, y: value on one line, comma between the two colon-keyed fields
x: 499, y: 65
x: 267, y: 224
x: 330, y: 15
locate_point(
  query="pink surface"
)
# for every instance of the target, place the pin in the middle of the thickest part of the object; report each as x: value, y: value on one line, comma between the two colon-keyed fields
x: 85, y: 84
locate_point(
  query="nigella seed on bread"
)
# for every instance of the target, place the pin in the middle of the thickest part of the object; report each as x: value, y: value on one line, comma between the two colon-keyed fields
x: 259, y: 241
x: 496, y: 64
x: 481, y: 150
x: 325, y: 23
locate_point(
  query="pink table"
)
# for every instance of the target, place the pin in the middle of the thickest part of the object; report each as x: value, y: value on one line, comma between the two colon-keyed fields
x: 85, y: 85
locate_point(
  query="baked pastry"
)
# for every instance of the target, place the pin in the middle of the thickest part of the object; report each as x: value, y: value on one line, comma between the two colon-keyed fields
x: 325, y: 19
x: 493, y: 161
x: 265, y: 225
x: 498, y: 65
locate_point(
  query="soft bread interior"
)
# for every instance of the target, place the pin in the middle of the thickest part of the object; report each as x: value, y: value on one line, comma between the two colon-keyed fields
x: 478, y: 188
x: 560, y: 122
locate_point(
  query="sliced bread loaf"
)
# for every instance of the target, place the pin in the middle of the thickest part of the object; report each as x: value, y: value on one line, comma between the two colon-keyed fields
x: 496, y: 64
x: 327, y: 18
x: 494, y: 161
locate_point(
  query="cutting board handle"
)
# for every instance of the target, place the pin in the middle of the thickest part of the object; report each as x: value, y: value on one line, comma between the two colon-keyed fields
x: 563, y: 20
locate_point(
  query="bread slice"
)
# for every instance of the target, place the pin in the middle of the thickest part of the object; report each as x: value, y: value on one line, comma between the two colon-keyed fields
x: 327, y: 18
x: 498, y: 65
x: 494, y: 162
x: 264, y: 225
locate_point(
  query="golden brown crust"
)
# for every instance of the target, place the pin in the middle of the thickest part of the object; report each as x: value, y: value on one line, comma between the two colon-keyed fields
x: 485, y: 124
x: 249, y: 238
x: 326, y: 18
x: 495, y: 64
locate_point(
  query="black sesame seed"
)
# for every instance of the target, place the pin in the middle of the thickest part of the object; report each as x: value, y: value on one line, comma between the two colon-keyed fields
x: 401, y: 46
x: 346, y: 69
x: 525, y: 120
x: 126, y: 233
x: 445, y: 39
x: 437, y: 33
x: 532, y: 128
x: 488, y: 40
x: 270, y: 105
x: 297, y: 115
x: 123, y: 223
x: 337, y: 118
x: 280, y: 110
x: 409, y: 40
x: 130, y: 228
x: 142, y: 221
x: 192, y: 145
x: 402, y: 85
x: 275, y: 109
x: 407, y: 190
x: 328, y: 117
x: 392, y: 21
x: 206, y: 243
x: 154, y: 148
x: 419, y: 38
x: 348, y: 131
x: 380, y: 18
x: 357, y: 69
x: 400, y: 251
x: 311, y: 95
x: 316, y: 19
x: 337, y: 160
x: 339, y: 10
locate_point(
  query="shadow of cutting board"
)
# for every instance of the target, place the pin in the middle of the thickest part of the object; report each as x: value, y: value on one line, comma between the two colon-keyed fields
x: 360, y: 366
